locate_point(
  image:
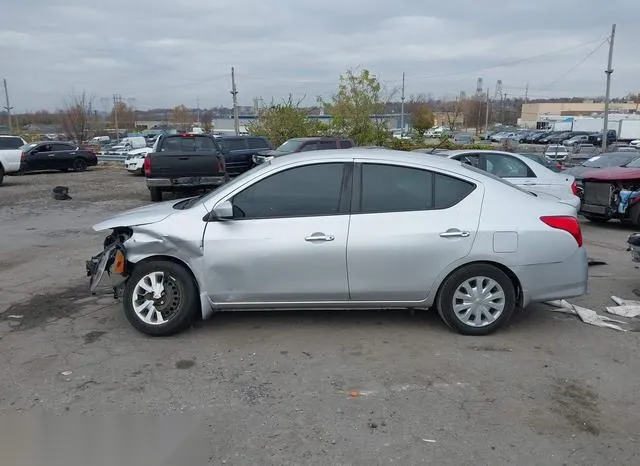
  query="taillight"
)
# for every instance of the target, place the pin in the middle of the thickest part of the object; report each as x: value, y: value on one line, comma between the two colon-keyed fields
x: 23, y: 156
x: 146, y: 166
x: 566, y: 223
x: 574, y: 188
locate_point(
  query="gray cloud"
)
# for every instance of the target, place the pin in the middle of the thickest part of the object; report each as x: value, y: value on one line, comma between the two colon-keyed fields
x: 165, y: 53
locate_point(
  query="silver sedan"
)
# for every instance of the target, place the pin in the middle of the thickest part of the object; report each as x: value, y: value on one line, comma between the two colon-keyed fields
x: 345, y: 229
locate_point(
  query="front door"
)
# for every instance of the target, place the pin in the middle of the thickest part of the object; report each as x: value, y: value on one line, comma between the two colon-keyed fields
x: 287, y: 240
x: 407, y: 226
x: 38, y: 158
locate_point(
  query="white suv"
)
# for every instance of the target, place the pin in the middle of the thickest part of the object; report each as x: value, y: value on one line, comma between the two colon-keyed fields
x: 10, y: 153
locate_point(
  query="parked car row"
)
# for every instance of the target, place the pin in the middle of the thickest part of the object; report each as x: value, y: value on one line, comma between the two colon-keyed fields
x: 18, y: 156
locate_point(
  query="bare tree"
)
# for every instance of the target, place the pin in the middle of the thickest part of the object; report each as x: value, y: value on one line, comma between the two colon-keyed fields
x: 77, y: 116
x: 454, y: 113
x: 181, y: 117
x: 422, y: 118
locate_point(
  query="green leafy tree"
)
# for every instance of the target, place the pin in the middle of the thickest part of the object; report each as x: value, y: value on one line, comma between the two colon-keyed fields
x: 422, y: 118
x: 358, y: 100
x: 285, y: 120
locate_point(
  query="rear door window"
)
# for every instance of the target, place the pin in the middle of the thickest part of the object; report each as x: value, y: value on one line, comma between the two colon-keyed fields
x: 346, y: 144
x: 326, y: 145
x: 258, y: 143
x: 236, y: 144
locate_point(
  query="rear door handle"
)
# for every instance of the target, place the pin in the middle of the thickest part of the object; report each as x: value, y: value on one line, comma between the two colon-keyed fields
x: 453, y: 233
x: 319, y: 237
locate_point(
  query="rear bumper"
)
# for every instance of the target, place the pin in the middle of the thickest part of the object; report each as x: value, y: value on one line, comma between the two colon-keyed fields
x: 186, y: 182
x: 558, y: 280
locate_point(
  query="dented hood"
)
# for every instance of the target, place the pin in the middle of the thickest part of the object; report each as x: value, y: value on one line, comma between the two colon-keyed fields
x: 140, y: 216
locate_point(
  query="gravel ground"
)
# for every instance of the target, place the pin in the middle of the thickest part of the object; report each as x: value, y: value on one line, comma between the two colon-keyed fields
x: 352, y: 388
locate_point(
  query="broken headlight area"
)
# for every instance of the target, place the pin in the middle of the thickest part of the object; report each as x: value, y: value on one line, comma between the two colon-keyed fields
x: 112, y: 260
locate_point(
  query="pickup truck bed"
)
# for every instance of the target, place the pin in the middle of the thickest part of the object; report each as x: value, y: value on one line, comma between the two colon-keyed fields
x: 184, y: 162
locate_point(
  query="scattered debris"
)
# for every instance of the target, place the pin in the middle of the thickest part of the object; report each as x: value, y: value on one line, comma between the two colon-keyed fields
x: 373, y: 425
x: 586, y: 315
x: 14, y: 317
x: 624, y: 308
x: 61, y: 193
x: 66, y: 373
x: 354, y: 393
x: 428, y: 440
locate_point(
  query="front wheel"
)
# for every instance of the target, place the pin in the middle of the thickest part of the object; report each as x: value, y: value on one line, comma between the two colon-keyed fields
x: 160, y: 298
x: 476, y: 299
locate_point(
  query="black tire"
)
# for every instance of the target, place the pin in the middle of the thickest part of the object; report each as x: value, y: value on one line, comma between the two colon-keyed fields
x: 182, y: 301
x: 445, y: 299
x: 79, y: 164
x: 1, y: 174
x: 595, y: 219
x: 156, y: 194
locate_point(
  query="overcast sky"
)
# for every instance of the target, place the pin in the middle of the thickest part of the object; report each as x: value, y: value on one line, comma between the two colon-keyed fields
x: 165, y: 53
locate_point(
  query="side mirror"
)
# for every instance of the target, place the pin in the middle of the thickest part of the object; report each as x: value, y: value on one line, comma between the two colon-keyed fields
x: 223, y: 210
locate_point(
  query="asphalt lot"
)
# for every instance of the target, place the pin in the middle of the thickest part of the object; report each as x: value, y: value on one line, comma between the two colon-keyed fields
x: 275, y: 388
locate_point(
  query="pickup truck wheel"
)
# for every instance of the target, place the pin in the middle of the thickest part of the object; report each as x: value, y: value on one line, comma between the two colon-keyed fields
x: 1, y: 174
x: 476, y: 299
x: 156, y: 194
x: 160, y: 298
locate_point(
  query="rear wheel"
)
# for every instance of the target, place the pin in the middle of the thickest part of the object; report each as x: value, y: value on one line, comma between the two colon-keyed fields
x: 1, y: 173
x: 160, y: 298
x: 595, y: 219
x: 476, y: 299
x: 156, y: 194
x: 79, y: 164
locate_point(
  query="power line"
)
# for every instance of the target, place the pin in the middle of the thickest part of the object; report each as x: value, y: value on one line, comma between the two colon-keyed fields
x: 589, y: 55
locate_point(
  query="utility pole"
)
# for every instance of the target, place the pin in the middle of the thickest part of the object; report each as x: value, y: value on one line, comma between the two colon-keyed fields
x: 486, y: 115
x: 198, y: 104
x: 117, y: 98
x: 609, y: 72
x: 234, y: 93
x: 7, y: 106
x: 402, y: 107
x: 526, y: 93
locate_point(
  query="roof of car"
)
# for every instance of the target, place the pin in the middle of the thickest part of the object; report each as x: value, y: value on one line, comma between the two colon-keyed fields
x: 381, y: 155
x: 322, y: 138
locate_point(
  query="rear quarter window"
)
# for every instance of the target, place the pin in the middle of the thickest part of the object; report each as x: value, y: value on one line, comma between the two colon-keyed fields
x: 11, y: 143
x: 449, y: 191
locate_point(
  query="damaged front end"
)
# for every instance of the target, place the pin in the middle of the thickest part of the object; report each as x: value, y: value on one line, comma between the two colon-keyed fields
x: 611, y: 199
x: 111, y: 263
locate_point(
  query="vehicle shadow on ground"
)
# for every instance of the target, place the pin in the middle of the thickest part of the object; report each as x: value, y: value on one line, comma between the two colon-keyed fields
x: 526, y: 320
x: 612, y: 225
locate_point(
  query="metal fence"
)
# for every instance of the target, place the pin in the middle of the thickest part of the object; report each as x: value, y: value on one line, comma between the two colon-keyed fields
x: 111, y: 157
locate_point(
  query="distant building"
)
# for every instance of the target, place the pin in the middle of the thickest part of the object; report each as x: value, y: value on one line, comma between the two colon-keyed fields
x: 532, y: 113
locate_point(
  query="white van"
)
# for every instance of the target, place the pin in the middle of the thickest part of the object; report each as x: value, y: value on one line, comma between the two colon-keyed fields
x: 127, y: 144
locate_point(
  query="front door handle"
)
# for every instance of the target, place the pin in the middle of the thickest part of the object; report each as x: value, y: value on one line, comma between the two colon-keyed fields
x: 319, y: 237
x: 453, y: 233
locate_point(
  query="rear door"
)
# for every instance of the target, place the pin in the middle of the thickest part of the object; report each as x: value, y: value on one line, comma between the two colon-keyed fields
x: 407, y: 225
x: 238, y: 157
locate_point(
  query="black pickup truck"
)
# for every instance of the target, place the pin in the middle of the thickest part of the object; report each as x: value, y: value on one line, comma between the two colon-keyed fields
x: 181, y: 162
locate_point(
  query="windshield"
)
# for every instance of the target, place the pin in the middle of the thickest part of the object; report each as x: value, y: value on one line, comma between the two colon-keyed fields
x: 11, y: 143
x: 289, y: 146
x: 608, y: 160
